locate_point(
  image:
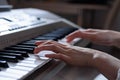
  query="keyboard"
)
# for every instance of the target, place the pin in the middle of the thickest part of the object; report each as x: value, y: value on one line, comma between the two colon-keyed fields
x: 20, y: 30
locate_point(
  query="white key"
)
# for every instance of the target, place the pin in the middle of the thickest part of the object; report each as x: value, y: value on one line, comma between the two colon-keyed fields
x: 27, y: 61
x: 6, y: 78
x: 30, y: 59
x: 27, y: 65
x: 10, y: 75
x: 14, y: 71
x: 22, y: 68
x: 64, y: 41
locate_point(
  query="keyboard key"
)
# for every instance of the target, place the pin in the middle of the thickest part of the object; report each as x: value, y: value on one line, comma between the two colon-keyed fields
x: 27, y: 46
x: 3, y: 64
x: 6, y: 78
x: 15, y: 71
x: 27, y: 65
x: 22, y: 68
x: 31, y: 41
x: 12, y: 75
x: 28, y: 43
x: 46, y: 38
x: 29, y: 50
x: 9, y: 58
x: 23, y: 53
x: 18, y: 56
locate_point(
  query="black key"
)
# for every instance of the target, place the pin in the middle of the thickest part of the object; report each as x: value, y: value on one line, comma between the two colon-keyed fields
x: 46, y: 38
x: 28, y: 43
x: 23, y: 53
x: 29, y: 50
x: 31, y: 41
x: 58, y: 35
x: 9, y: 58
x: 3, y: 64
x: 52, y: 35
x: 27, y: 46
x: 65, y: 30
x: 18, y: 56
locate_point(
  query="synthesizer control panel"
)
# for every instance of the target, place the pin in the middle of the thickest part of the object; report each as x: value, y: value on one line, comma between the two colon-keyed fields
x: 14, y: 21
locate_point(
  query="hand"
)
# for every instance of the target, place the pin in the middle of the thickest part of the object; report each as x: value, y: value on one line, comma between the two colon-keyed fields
x: 70, y: 54
x: 102, y: 37
x: 106, y: 64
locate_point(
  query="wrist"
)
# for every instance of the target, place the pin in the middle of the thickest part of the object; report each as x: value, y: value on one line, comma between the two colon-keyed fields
x: 96, y: 59
x: 107, y: 65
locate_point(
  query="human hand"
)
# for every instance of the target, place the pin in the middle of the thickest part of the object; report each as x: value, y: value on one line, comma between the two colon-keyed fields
x: 102, y: 37
x: 73, y: 55
x: 78, y: 56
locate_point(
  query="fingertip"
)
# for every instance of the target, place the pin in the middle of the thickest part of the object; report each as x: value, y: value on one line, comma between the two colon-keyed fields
x: 37, y: 43
x: 68, y: 40
x: 35, y: 50
x: 47, y: 55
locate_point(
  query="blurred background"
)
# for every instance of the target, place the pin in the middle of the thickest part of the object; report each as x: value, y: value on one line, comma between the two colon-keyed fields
x: 101, y: 14
x: 98, y: 14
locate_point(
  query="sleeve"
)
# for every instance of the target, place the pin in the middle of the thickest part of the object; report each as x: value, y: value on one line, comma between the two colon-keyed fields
x: 118, y: 76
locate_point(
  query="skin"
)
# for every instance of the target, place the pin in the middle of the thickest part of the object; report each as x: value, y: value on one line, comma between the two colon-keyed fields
x: 102, y: 37
x: 78, y: 56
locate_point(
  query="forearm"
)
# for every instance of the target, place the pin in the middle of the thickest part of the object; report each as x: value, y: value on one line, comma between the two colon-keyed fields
x: 117, y: 43
x: 107, y: 65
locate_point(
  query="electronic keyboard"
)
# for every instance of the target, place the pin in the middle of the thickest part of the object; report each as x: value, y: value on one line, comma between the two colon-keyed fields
x: 19, y: 30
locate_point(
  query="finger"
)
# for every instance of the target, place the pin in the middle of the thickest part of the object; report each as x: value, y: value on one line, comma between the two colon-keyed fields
x: 92, y: 30
x: 38, y: 42
x: 57, y: 43
x: 65, y: 47
x: 73, y: 35
x: 41, y: 42
x: 89, y: 34
x: 79, y: 34
x: 52, y: 42
x: 50, y: 47
x: 58, y: 56
x: 49, y: 42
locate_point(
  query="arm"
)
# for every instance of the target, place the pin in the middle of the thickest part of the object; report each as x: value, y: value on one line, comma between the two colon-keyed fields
x: 78, y: 56
x: 107, y: 65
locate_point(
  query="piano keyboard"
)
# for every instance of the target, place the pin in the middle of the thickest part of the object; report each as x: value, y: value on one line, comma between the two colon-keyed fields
x: 17, y: 61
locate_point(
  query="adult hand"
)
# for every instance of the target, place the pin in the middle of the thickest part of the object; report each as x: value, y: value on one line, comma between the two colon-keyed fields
x: 70, y: 54
x: 102, y: 37
x: 78, y: 56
